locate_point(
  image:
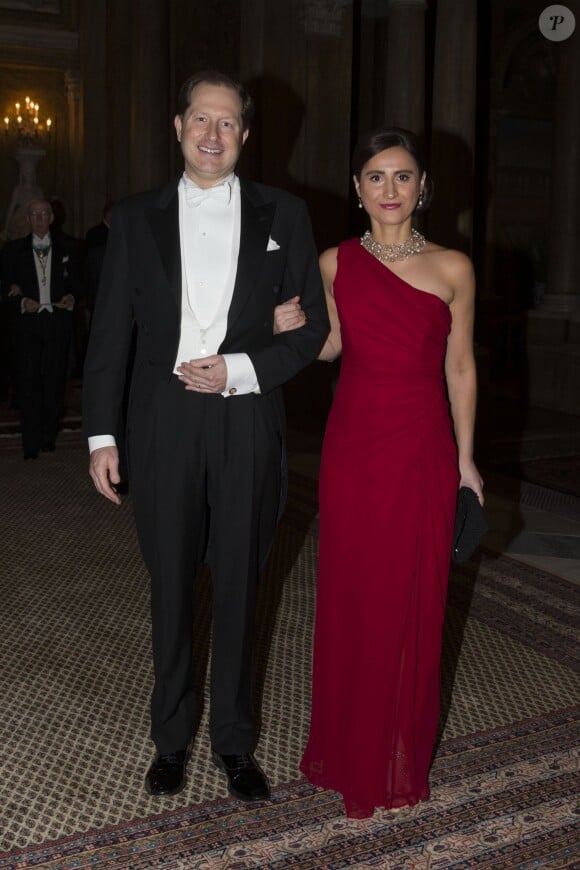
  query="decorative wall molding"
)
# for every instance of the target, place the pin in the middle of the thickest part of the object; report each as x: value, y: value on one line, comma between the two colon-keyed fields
x: 418, y: 4
x: 325, y: 17
x: 381, y: 8
x: 40, y: 38
x: 51, y: 7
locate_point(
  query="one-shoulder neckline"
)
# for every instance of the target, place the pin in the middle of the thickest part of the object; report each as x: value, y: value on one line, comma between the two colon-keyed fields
x: 403, y: 281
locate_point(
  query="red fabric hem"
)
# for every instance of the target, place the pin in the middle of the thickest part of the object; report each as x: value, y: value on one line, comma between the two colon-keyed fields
x: 354, y: 809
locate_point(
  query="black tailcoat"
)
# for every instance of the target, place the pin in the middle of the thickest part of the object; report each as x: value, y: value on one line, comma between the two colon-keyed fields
x: 43, y: 340
x: 205, y: 471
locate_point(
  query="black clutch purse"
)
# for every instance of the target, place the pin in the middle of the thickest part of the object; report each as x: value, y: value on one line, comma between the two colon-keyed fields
x: 470, y: 525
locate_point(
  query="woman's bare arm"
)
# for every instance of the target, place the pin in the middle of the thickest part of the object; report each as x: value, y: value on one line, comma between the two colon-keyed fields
x: 333, y: 346
x: 460, y: 370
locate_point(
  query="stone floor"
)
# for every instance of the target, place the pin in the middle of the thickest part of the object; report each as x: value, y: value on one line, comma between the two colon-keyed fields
x: 535, y: 525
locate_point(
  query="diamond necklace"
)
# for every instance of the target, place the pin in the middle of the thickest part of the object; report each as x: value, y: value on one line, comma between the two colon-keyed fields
x: 394, y: 253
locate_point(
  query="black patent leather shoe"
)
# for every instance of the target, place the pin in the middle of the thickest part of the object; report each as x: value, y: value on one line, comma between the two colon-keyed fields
x: 246, y: 780
x: 166, y: 776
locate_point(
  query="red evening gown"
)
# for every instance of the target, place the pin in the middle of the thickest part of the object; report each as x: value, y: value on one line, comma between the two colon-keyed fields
x: 388, y: 490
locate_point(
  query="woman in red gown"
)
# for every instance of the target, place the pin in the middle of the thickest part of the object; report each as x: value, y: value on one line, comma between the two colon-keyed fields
x: 398, y: 443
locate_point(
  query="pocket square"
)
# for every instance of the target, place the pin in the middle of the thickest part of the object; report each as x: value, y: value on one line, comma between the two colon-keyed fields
x: 65, y: 259
x: 272, y: 245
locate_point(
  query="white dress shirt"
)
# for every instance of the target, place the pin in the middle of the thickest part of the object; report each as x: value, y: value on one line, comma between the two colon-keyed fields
x: 43, y: 266
x: 210, y: 242
x: 209, y: 232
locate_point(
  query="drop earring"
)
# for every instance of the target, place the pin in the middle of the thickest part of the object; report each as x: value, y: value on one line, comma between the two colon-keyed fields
x: 360, y: 205
x: 420, y: 200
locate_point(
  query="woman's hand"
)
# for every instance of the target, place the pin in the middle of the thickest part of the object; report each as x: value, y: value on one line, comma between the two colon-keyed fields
x: 288, y: 316
x: 470, y: 476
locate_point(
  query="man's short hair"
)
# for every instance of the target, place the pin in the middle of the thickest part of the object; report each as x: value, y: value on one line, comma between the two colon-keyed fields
x: 215, y: 77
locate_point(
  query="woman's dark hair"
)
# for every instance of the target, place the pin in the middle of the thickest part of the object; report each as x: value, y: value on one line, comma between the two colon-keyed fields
x: 215, y: 77
x: 393, y: 137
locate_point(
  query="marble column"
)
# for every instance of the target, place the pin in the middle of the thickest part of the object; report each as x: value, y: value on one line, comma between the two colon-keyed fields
x: 150, y: 111
x: 71, y: 180
x: 252, y: 48
x: 117, y: 93
x: 453, y: 123
x: 404, y: 89
x: 554, y: 326
x: 96, y: 106
x: 563, y: 289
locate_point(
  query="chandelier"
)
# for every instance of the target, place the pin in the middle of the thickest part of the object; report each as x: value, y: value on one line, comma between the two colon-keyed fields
x: 23, y: 126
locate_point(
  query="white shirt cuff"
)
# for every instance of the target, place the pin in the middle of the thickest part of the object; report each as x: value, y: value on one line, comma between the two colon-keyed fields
x: 96, y: 441
x: 242, y: 378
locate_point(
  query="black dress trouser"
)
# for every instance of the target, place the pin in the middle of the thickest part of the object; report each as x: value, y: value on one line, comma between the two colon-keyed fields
x: 205, y: 481
x: 43, y: 347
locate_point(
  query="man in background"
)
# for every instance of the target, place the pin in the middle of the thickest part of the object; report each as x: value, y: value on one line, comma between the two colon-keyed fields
x: 39, y: 280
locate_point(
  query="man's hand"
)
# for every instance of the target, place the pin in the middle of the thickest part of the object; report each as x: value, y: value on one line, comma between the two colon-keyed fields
x: 104, y: 470
x: 206, y: 375
x: 30, y: 306
x: 67, y: 302
x: 288, y: 316
x: 14, y: 290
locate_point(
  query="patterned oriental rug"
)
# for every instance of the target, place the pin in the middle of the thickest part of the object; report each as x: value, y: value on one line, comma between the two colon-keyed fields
x: 76, y: 677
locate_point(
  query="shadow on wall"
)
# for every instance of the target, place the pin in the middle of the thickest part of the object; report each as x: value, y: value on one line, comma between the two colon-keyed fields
x: 271, y: 146
x: 457, y: 219
x: 266, y: 157
x: 449, y: 219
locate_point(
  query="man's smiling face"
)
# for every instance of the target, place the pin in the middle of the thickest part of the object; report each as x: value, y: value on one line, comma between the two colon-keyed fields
x: 211, y: 133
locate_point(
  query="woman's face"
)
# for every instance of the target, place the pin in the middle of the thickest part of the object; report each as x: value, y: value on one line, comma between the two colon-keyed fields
x: 389, y: 186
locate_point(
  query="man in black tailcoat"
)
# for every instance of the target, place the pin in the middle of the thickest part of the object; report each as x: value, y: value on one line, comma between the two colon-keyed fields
x: 40, y: 280
x: 199, y: 266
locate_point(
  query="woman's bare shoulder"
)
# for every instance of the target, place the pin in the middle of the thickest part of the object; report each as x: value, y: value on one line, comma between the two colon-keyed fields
x: 453, y: 263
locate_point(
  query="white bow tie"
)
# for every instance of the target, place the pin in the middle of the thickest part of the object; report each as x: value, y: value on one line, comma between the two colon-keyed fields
x: 196, y: 195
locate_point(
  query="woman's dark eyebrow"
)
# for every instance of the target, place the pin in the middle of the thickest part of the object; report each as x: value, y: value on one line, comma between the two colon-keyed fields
x: 382, y: 171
